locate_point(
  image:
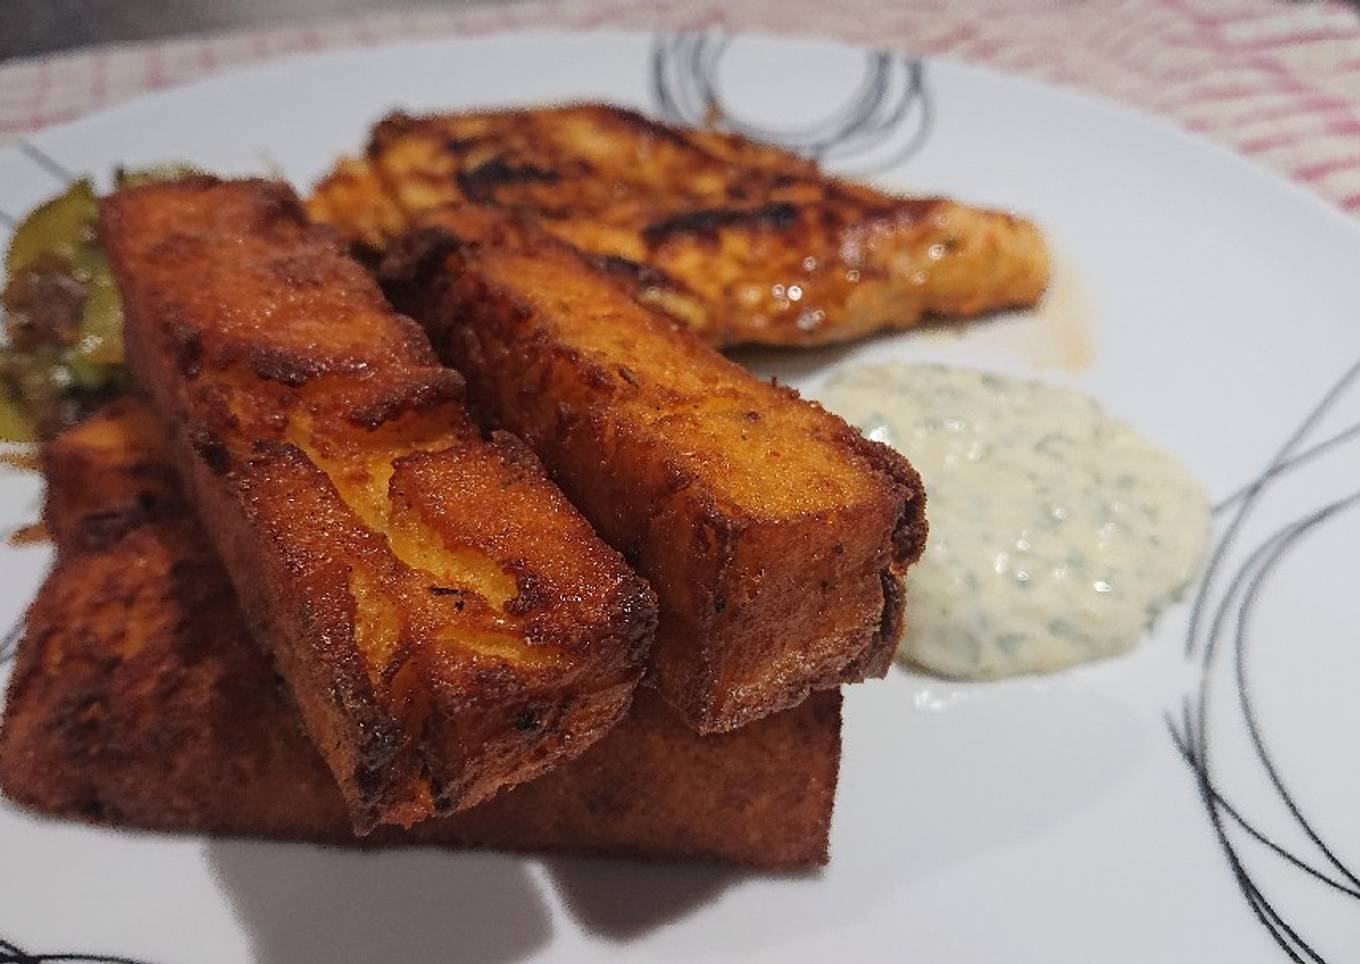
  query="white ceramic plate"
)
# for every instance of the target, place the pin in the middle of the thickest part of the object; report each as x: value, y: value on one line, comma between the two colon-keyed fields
x: 1043, y: 819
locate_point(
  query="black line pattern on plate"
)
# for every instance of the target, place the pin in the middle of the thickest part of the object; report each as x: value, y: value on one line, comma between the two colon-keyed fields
x: 1247, y: 497
x: 48, y: 163
x: 1220, y: 629
x: 884, y: 121
x: 11, y: 953
x: 9, y: 643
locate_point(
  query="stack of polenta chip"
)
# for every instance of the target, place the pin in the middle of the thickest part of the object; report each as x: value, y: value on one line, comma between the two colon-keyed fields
x: 539, y: 569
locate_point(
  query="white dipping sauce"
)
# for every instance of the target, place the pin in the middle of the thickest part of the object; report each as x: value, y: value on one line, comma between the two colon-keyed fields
x: 1057, y: 533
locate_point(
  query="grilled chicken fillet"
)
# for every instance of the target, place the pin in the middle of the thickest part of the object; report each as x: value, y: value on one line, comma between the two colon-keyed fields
x: 742, y: 242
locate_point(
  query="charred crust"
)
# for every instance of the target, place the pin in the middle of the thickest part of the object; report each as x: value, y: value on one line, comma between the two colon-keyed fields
x: 369, y: 779
x: 635, y: 273
x: 100, y: 530
x: 911, y: 528
x: 705, y: 224
x: 676, y: 479
x: 532, y: 593
x: 268, y: 450
x: 295, y: 369
x: 595, y: 376
x: 188, y: 349
x: 432, y: 387
x: 894, y: 606
x: 873, y: 661
x: 480, y: 183
x: 211, y: 450
x: 715, y: 533
x: 416, y: 256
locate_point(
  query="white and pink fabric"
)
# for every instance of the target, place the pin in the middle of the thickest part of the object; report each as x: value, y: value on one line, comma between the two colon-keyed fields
x: 1278, y: 82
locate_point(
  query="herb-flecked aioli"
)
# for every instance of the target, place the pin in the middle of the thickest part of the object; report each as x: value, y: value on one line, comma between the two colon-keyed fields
x: 1057, y: 533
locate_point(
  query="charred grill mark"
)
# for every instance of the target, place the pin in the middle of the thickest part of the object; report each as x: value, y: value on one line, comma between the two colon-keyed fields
x: 188, y: 347
x: 423, y: 392
x: 707, y: 222
x: 211, y: 449
x: 480, y: 183
x: 634, y: 272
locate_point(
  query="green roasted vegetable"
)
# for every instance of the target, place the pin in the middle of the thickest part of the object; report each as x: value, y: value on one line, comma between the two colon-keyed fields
x: 58, y: 227
x: 63, y: 316
x: 15, y: 425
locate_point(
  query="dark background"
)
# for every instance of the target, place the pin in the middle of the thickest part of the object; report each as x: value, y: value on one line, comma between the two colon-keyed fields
x: 30, y: 27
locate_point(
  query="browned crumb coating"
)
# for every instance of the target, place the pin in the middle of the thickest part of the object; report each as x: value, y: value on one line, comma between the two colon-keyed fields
x: 742, y: 242
x: 775, y: 535
x: 139, y: 700
x: 448, y: 624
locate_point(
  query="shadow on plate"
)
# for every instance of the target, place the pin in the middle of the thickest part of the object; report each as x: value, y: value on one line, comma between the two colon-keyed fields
x: 621, y: 900
x: 304, y: 904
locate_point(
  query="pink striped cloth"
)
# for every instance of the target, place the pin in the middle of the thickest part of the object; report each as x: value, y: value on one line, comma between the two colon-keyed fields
x: 1278, y: 82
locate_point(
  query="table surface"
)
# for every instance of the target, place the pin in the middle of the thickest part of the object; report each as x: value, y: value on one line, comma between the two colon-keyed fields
x: 33, y: 27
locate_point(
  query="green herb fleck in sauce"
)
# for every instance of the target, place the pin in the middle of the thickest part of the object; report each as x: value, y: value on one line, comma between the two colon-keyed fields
x: 1057, y: 533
